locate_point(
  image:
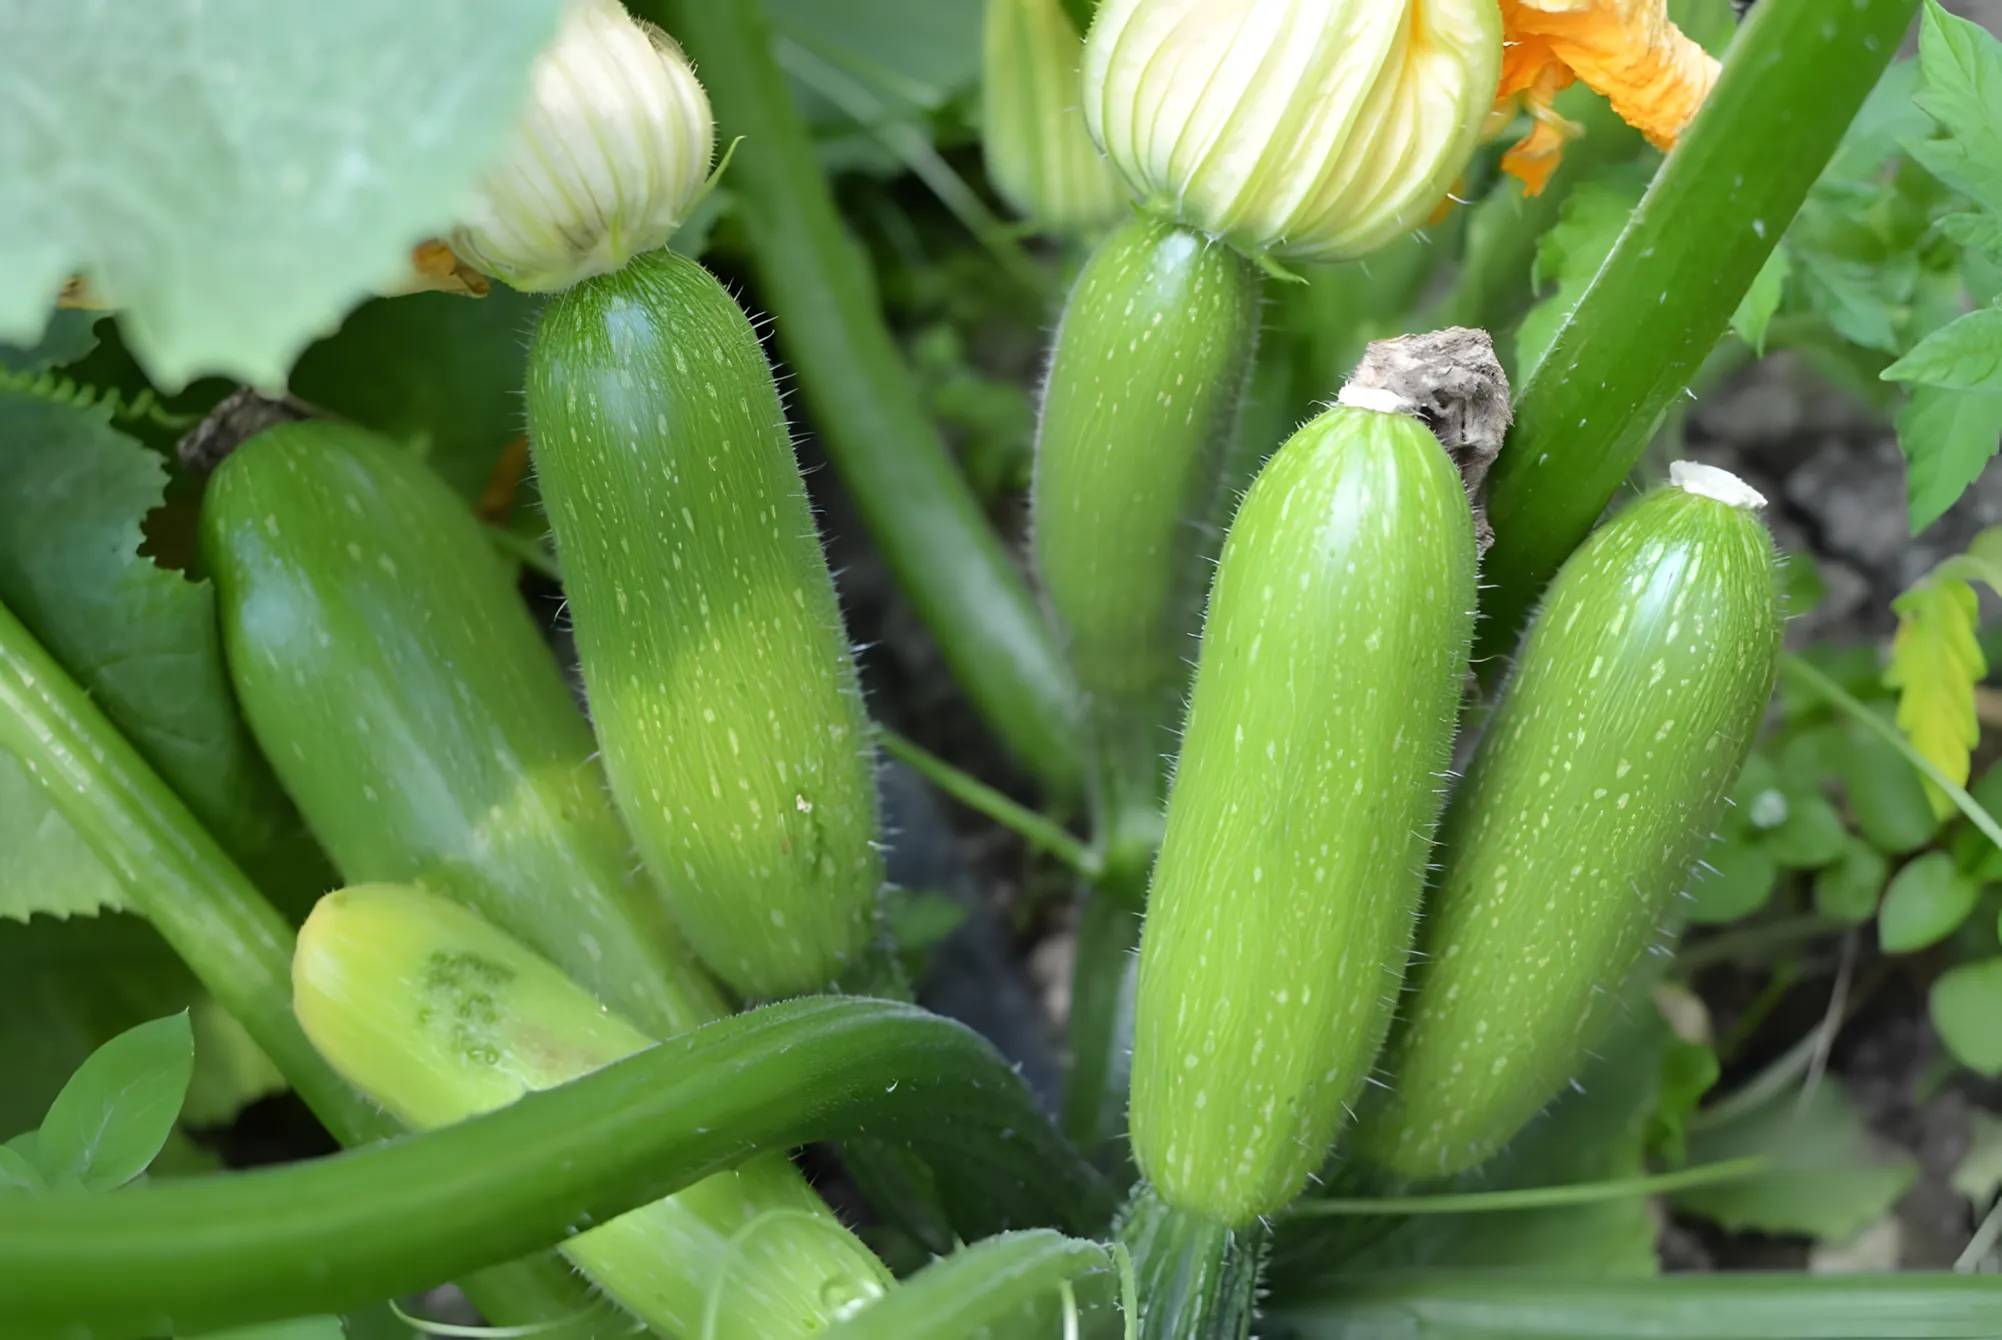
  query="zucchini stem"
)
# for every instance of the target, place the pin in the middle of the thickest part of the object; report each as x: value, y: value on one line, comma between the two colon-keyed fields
x: 1529, y: 1198
x: 1198, y: 1277
x: 1038, y: 831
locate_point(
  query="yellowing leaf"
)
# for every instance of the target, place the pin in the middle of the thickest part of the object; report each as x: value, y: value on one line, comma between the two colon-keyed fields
x: 1935, y: 664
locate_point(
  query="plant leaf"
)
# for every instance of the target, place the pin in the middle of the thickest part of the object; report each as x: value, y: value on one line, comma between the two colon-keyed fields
x: 1826, y: 1178
x: 1926, y: 902
x: 1960, y: 69
x: 69, y: 335
x: 310, y: 149
x: 1978, y: 1175
x: 1571, y: 253
x: 1743, y: 881
x: 144, y: 641
x: 117, y: 1110
x: 1688, y: 1071
x: 1963, y: 355
x: 1887, y: 796
x: 297, y: 1328
x: 1967, y: 1010
x: 1948, y: 438
x: 230, y: 1071
x: 1847, y: 891
x: 1976, y: 232
x: 435, y: 372
x: 18, y: 1169
x: 1761, y: 300
x: 1935, y: 664
x: 1811, y: 836
x: 48, y: 868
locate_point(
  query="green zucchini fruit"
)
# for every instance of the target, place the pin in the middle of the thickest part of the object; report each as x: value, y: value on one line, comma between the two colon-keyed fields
x: 719, y: 677
x: 1131, y: 492
x: 1635, y: 698
x: 1322, y: 718
x: 393, y: 676
x: 438, y: 1016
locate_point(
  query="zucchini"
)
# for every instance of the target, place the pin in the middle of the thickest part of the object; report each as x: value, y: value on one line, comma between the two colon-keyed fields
x: 1635, y: 699
x: 439, y: 1017
x: 1301, y: 813
x: 1133, y: 456
x: 394, y: 678
x: 719, y: 677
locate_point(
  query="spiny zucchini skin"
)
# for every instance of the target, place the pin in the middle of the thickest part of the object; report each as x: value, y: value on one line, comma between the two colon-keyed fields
x: 393, y: 676
x: 719, y: 676
x: 1637, y: 693
x: 1302, y: 810
x: 1146, y: 376
x: 439, y: 1017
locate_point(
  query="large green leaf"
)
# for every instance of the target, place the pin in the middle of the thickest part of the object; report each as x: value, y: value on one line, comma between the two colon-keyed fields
x: 1961, y: 69
x: 915, y: 55
x: 1948, y: 438
x: 48, y: 869
x: 234, y: 174
x: 144, y: 640
x: 1569, y: 255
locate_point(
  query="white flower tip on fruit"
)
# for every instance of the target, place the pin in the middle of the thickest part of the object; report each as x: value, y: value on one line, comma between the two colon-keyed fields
x: 1709, y: 481
x: 610, y: 154
x: 1377, y: 398
x: 1302, y: 129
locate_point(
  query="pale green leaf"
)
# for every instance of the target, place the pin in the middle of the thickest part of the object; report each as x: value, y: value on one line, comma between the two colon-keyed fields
x: 1810, y: 837
x: 1761, y: 300
x: 1976, y: 232
x: 1925, y: 903
x: 1967, y: 1011
x: 1826, y: 1177
x: 18, y: 1170
x: 1935, y: 664
x: 48, y: 869
x: 1960, y: 68
x: 1887, y: 796
x: 1963, y: 355
x: 117, y: 1110
x: 1739, y: 882
x: 69, y: 335
x: 1948, y: 438
x: 233, y: 174
x: 1570, y: 254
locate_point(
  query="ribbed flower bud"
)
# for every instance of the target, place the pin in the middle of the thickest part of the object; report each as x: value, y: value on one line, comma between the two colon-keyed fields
x: 1039, y: 155
x: 612, y: 151
x: 1302, y: 129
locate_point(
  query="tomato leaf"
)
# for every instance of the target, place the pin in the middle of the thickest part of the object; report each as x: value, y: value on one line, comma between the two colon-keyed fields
x: 1948, y: 438
x: 1963, y: 355
x: 1826, y: 1176
x: 1926, y: 902
x: 1570, y: 254
x: 117, y: 1110
x: 1967, y: 1011
x: 1761, y: 300
x: 1960, y: 69
x: 232, y: 174
x: 1935, y: 664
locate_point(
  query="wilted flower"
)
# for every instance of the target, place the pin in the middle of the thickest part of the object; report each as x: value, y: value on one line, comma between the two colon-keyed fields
x: 1308, y: 129
x: 612, y: 151
x: 1654, y: 76
x: 1039, y: 155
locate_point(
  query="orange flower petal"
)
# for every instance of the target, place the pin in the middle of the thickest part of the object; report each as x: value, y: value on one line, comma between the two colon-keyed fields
x: 1655, y: 77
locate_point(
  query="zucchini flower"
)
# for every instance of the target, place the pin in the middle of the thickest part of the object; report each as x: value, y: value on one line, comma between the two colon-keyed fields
x: 1039, y: 155
x: 1299, y: 129
x: 611, y: 153
x: 1654, y: 75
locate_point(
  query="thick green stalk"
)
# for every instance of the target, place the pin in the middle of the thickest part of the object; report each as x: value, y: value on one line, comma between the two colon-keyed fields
x: 1131, y: 499
x: 205, y: 907
x: 1533, y: 1305
x: 1010, y: 1280
x: 1198, y: 1277
x: 1796, y: 75
x: 924, y: 517
x: 394, y: 677
x: 439, y: 1016
x: 374, y: 1223
x: 1099, y: 1030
